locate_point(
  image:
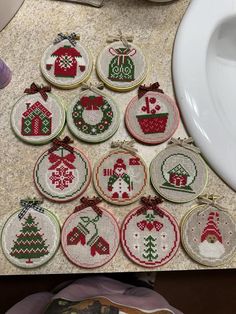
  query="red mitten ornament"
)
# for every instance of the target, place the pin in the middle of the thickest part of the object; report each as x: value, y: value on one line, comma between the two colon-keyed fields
x: 90, y: 236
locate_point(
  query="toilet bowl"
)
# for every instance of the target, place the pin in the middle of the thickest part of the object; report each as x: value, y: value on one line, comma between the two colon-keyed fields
x: 204, y: 75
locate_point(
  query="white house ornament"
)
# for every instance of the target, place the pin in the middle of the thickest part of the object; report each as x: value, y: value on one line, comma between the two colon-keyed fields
x: 149, y: 234
x: 38, y: 116
x: 121, y: 65
x: 90, y: 236
x: 120, y: 177
x: 63, y: 172
x: 93, y: 116
x: 209, y: 235
x: 151, y: 117
x: 31, y: 236
x: 178, y: 173
x: 66, y: 63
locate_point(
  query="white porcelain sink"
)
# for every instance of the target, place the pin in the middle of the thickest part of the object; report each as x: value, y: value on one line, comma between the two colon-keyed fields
x: 8, y: 9
x: 204, y: 73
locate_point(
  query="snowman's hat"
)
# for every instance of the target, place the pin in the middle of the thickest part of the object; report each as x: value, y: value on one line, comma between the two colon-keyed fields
x: 120, y: 164
x: 211, y: 227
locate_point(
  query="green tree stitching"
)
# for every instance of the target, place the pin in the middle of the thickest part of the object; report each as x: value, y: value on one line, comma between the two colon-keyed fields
x: 29, y: 243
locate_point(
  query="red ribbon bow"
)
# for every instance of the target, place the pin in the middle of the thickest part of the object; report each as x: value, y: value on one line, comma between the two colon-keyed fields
x: 64, y: 143
x: 37, y: 89
x: 57, y: 160
x: 90, y: 202
x: 143, y: 89
x: 91, y: 103
x: 151, y: 203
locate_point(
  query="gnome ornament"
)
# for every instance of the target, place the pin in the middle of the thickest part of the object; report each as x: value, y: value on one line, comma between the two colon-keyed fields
x: 211, y: 245
x: 208, y: 232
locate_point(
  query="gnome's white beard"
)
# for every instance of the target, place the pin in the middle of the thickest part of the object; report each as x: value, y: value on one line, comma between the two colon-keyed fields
x: 211, y: 250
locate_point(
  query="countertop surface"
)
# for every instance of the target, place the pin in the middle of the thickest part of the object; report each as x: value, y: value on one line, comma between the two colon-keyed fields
x: 22, y: 43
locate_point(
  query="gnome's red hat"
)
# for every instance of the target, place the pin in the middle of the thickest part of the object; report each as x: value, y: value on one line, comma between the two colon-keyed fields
x: 119, y: 164
x: 211, y: 227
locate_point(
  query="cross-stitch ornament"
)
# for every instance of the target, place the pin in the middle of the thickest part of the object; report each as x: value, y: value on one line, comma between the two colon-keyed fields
x: 151, y: 117
x: 63, y: 172
x: 37, y: 117
x: 149, y: 234
x: 178, y: 173
x: 66, y: 63
x: 120, y: 177
x: 90, y: 236
x: 31, y: 236
x: 209, y: 233
x: 121, y: 65
x: 93, y: 116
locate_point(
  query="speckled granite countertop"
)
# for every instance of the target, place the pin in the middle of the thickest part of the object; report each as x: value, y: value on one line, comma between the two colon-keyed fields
x: 22, y: 43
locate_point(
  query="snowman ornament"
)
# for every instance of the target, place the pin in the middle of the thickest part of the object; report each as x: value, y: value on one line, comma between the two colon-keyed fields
x: 120, y: 182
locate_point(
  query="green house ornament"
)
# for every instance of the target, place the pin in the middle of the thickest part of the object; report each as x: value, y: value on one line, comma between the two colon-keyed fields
x: 121, y: 67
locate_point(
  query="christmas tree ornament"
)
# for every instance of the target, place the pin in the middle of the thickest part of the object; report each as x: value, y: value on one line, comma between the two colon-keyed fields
x: 151, y: 117
x: 121, y: 65
x: 93, y: 116
x: 178, y: 173
x: 120, y: 177
x: 66, y: 63
x: 38, y: 116
x: 208, y: 233
x: 31, y: 236
x: 90, y: 236
x: 149, y: 234
x: 63, y: 172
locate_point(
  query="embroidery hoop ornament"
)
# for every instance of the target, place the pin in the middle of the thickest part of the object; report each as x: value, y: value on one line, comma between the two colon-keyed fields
x: 38, y: 116
x: 62, y: 172
x: 152, y: 117
x: 178, y: 173
x: 31, y: 216
x: 109, y: 122
x: 120, y: 51
x: 116, y: 188
x: 209, y: 207
x: 135, y: 227
x: 67, y: 64
x: 78, y: 245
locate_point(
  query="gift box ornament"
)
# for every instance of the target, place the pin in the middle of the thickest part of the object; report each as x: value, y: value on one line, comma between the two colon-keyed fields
x: 31, y: 236
x: 66, y: 63
x: 121, y: 176
x: 62, y: 173
x: 38, y: 116
x: 178, y: 173
x: 150, y: 234
x: 93, y: 115
x: 121, y: 65
x: 151, y: 117
x: 90, y: 236
x: 208, y: 232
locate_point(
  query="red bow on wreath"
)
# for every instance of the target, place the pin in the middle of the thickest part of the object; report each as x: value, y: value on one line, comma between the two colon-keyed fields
x: 57, y: 160
x: 92, y: 103
x: 37, y: 89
